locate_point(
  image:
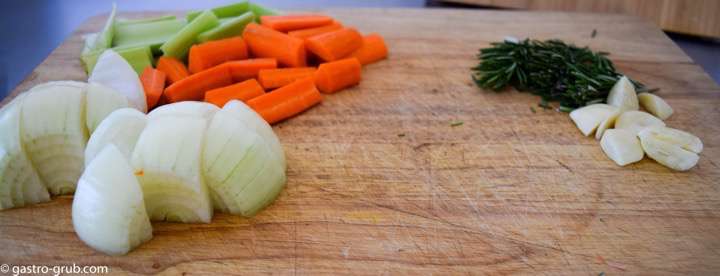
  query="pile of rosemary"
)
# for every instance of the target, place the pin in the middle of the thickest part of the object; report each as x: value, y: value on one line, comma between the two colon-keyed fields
x: 552, y: 69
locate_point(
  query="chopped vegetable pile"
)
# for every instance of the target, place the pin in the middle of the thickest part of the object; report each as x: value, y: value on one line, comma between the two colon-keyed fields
x: 213, y: 83
x: 211, y: 56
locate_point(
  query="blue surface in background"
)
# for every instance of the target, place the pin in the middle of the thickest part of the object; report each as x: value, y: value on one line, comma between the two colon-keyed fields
x: 31, y: 29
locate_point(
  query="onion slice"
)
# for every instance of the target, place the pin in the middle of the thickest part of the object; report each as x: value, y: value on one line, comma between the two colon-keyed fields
x: 184, y: 109
x: 101, y: 101
x: 108, y: 212
x: 240, y: 168
x: 166, y: 160
x: 113, y: 71
x: 121, y: 128
x: 53, y: 132
x: 19, y: 182
x: 251, y: 119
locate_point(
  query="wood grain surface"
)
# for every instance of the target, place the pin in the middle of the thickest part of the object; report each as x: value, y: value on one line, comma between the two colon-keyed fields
x: 381, y: 183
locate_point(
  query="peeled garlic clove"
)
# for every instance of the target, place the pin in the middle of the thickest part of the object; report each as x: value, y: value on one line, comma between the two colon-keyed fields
x: 622, y: 146
x: 655, y: 105
x: 588, y: 118
x: 108, y: 211
x: 623, y: 95
x: 608, y: 123
x: 636, y: 121
x: 101, y: 101
x: 676, y: 137
x: 54, y: 133
x: 668, y: 154
x: 121, y: 128
x: 187, y: 108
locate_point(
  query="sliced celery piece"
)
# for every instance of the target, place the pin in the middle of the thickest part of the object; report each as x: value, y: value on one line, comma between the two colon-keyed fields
x: 89, y: 42
x: 105, y: 37
x: 144, y: 20
x: 231, y: 10
x: 228, y: 27
x: 259, y: 11
x: 149, y: 33
x: 138, y: 57
x: 179, y: 44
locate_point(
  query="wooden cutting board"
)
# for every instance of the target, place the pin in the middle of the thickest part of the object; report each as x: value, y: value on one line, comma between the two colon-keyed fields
x: 381, y: 183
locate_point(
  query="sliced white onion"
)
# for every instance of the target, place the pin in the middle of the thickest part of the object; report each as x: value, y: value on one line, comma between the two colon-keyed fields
x: 167, y: 160
x: 108, y: 212
x: 19, y: 182
x: 184, y: 109
x: 240, y: 168
x: 101, y: 101
x: 113, y: 71
x: 121, y: 128
x: 54, y: 134
x: 251, y: 119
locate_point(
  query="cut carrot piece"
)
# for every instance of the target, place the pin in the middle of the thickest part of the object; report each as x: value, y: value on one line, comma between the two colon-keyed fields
x: 153, y: 82
x: 247, y: 69
x: 372, y: 50
x: 286, y: 101
x: 305, y: 33
x: 269, y: 43
x: 242, y: 91
x: 286, y: 23
x: 274, y: 78
x: 337, y: 75
x: 211, y: 53
x: 193, y: 88
x: 173, y: 68
x: 334, y: 45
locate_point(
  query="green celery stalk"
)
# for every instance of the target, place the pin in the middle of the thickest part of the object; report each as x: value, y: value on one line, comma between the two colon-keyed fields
x: 105, y: 37
x: 146, y: 33
x: 259, y: 11
x: 231, y: 10
x: 228, y: 27
x: 179, y: 44
x: 144, y: 20
x: 138, y: 57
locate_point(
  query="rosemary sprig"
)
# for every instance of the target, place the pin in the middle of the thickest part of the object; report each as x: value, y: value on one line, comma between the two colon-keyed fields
x: 552, y: 69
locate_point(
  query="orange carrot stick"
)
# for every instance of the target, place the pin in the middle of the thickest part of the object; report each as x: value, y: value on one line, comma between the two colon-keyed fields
x: 286, y: 101
x: 274, y: 78
x: 242, y: 91
x: 305, y: 33
x: 193, y: 88
x: 153, y: 82
x: 285, y: 23
x: 266, y: 42
x: 247, y: 69
x: 337, y: 75
x: 334, y: 45
x: 174, y: 69
x: 211, y: 53
x: 372, y: 50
